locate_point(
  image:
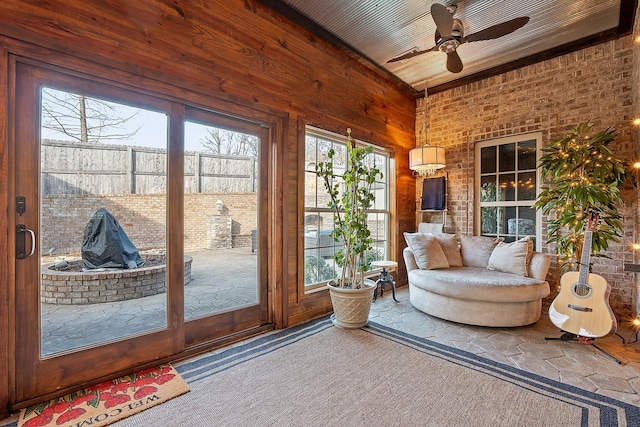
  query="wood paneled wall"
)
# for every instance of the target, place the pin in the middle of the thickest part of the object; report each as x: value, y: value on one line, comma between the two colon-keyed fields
x: 236, y: 51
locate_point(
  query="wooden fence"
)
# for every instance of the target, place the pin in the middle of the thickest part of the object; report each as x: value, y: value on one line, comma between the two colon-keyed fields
x: 76, y: 168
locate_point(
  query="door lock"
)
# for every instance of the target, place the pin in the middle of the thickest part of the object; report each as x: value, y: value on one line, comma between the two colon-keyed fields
x: 21, y: 205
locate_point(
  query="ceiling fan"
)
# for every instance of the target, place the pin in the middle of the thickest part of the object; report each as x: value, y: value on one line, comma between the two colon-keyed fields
x: 450, y: 34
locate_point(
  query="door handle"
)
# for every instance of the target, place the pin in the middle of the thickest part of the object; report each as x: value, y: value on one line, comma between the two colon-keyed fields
x: 21, y: 230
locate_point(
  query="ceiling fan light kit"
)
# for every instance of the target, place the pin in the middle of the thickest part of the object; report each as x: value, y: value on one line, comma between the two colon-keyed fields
x: 449, y: 46
x: 450, y: 34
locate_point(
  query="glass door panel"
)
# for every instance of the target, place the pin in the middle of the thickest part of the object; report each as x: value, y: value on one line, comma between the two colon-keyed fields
x: 102, y: 221
x: 86, y: 173
x: 221, y: 220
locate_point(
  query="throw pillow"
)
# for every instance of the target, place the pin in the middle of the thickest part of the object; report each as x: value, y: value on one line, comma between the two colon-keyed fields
x: 476, y: 250
x: 426, y: 250
x: 512, y: 257
x: 449, y: 245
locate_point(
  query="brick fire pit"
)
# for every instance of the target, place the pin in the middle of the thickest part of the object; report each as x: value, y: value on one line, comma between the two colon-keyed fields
x: 93, y: 287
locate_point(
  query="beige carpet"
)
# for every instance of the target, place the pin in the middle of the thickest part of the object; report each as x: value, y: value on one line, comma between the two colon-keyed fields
x: 321, y: 375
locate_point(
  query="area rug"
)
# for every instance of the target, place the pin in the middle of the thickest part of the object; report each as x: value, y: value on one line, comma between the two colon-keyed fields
x: 319, y: 375
x: 107, y: 402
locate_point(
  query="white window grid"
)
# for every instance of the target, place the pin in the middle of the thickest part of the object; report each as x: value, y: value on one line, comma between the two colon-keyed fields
x: 502, y: 206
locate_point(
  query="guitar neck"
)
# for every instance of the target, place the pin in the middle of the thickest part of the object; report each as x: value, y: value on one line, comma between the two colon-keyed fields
x: 584, y: 259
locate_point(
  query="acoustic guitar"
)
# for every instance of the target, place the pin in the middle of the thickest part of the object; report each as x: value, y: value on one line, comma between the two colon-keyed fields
x: 582, y: 306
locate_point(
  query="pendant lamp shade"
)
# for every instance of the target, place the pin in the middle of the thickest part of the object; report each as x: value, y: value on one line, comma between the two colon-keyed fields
x: 426, y: 160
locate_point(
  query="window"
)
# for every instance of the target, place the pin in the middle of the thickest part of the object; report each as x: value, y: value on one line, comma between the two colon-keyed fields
x: 507, y: 187
x: 319, y: 246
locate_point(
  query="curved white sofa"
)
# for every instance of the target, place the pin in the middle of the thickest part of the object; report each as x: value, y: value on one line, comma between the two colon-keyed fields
x: 476, y: 295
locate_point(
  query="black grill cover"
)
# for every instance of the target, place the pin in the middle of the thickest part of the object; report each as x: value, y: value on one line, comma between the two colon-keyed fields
x: 106, y: 245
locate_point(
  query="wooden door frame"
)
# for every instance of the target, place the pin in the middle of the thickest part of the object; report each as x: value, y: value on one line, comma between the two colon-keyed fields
x: 275, y: 121
x: 7, y: 353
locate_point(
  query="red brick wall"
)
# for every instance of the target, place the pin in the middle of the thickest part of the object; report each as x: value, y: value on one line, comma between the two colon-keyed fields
x: 142, y: 216
x: 552, y: 96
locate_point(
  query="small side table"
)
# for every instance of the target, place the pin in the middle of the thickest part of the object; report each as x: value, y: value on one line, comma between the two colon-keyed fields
x: 385, y: 278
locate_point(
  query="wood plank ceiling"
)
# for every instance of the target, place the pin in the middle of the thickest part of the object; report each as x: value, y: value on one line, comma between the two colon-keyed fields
x: 374, y: 32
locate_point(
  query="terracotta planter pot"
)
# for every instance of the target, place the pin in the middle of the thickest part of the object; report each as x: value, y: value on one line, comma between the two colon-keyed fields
x: 351, y: 306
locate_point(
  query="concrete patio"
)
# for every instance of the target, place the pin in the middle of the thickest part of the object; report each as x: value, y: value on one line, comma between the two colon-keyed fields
x: 220, y: 280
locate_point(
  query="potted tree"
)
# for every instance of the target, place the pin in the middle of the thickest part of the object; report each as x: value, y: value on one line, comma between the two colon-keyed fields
x: 582, y: 178
x: 350, y: 197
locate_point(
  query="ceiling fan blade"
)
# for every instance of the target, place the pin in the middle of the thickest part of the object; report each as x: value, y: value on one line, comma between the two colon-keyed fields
x: 412, y: 54
x: 454, y: 63
x: 443, y: 19
x: 498, y: 30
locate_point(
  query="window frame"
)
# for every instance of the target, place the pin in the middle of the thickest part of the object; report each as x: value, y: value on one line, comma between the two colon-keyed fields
x: 309, y: 167
x: 479, y: 204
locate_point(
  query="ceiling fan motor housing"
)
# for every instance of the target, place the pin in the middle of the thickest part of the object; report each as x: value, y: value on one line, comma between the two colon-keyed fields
x: 450, y: 44
x: 457, y: 30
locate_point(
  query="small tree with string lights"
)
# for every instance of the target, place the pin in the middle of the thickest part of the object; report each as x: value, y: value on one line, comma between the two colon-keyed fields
x: 581, y: 178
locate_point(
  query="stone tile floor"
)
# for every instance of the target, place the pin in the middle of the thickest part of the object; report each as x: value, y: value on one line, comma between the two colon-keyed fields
x: 572, y: 363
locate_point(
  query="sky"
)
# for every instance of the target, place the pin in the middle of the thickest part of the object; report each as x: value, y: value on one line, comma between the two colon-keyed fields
x: 152, y: 132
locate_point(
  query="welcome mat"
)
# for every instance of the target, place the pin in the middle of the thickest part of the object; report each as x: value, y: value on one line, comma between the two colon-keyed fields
x: 107, y: 402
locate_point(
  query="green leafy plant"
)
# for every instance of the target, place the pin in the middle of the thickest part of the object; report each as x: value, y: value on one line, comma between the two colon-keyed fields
x: 351, y: 197
x: 582, y: 178
x: 316, y: 269
x: 371, y: 256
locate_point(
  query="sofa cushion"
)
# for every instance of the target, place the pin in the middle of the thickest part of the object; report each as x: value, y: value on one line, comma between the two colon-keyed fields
x: 479, y: 284
x: 539, y: 265
x: 512, y: 257
x: 449, y: 245
x: 476, y: 250
x: 426, y: 250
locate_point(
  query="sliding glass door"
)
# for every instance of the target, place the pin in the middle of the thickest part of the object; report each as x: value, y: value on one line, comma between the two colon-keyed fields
x: 137, y: 231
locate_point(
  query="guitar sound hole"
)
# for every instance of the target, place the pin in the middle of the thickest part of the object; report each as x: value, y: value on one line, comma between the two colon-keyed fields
x: 581, y: 290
